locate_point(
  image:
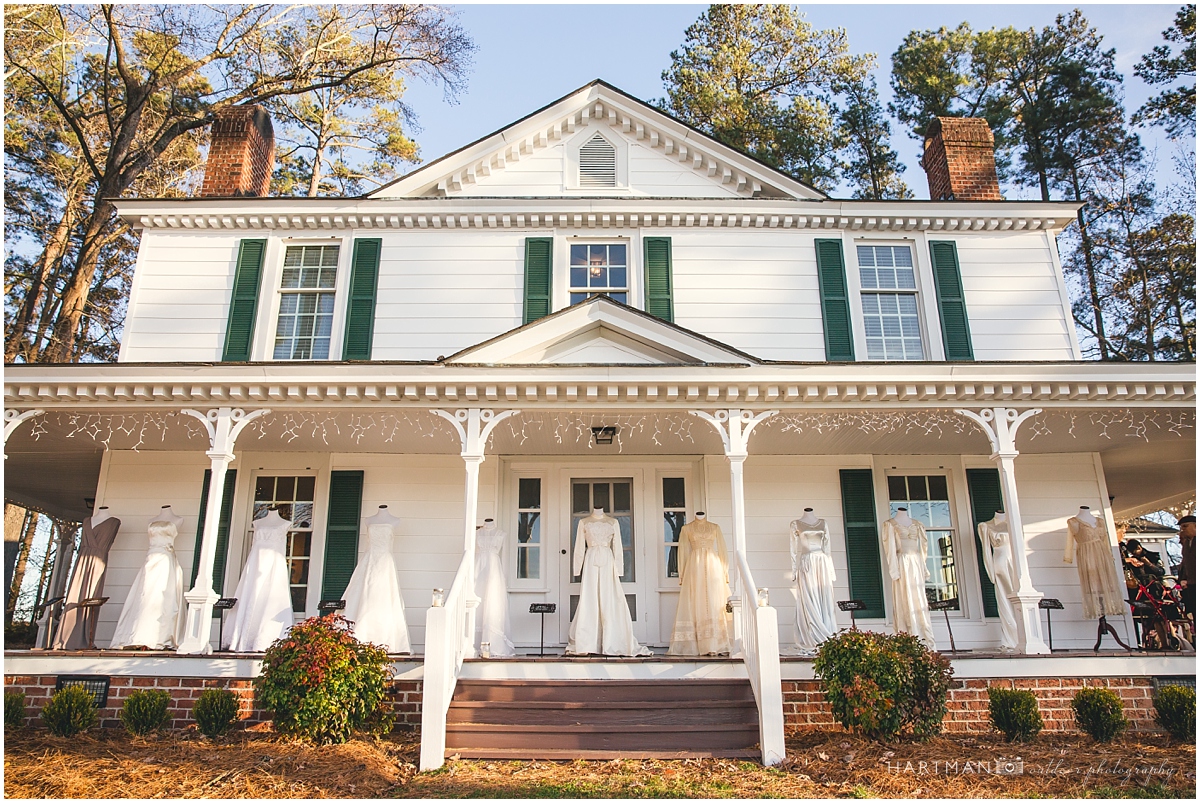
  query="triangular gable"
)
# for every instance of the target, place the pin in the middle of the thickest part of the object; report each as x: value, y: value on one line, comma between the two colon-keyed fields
x: 600, y: 331
x: 469, y: 170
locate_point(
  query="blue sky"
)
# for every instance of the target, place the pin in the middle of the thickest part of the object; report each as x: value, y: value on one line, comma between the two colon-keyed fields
x: 532, y: 54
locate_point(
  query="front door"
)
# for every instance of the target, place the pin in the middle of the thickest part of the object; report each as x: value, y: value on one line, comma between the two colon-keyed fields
x: 615, y: 495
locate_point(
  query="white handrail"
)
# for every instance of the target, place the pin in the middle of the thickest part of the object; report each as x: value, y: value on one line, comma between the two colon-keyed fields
x: 760, y: 652
x: 447, y: 640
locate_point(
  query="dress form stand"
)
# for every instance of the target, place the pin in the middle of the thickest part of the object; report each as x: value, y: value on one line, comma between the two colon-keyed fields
x: 995, y: 540
x: 1102, y: 594
x: 906, y: 548
x: 492, y: 626
x: 152, y: 616
x: 814, y: 575
x: 701, y: 627
x: 373, y: 600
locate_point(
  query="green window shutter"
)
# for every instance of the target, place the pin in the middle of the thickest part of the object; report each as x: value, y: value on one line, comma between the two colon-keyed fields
x: 538, y: 268
x: 222, y: 530
x: 243, y: 306
x: 341, y: 532
x: 659, y: 281
x: 862, y: 540
x: 983, y: 486
x: 360, y: 309
x: 952, y: 306
x: 835, y: 301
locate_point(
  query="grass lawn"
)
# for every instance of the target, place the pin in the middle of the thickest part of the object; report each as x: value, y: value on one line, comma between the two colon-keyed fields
x: 262, y: 765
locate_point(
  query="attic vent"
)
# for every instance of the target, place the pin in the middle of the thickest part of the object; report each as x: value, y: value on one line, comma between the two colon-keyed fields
x: 597, y: 163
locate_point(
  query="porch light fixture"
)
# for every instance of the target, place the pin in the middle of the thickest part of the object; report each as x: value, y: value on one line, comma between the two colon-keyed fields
x: 604, y: 435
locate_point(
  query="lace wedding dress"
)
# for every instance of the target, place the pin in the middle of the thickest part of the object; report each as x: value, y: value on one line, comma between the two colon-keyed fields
x: 701, y: 627
x: 1102, y: 592
x: 491, y: 617
x: 816, y: 617
x: 602, y: 624
x: 153, y: 614
x: 263, y: 611
x: 373, y: 600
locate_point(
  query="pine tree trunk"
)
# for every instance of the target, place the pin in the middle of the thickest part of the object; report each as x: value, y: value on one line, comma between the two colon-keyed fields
x: 1089, y: 265
x: 75, y: 295
x: 30, y: 529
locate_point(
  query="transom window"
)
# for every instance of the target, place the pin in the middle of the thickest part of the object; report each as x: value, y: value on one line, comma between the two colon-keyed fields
x: 599, y: 269
x: 928, y: 501
x: 889, y: 301
x: 529, y: 528
x: 306, y: 302
x: 294, y: 496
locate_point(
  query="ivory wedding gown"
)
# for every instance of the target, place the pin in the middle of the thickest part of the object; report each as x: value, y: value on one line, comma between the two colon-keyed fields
x: 263, y: 611
x: 907, y: 548
x: 491, y: 618
x: 816, y: 617
x: 602, y: 624
x: 700, y: 624
x: 373, y: 600
x: 996, y: 540
x: 1102, y: 592
x: 153, y: 614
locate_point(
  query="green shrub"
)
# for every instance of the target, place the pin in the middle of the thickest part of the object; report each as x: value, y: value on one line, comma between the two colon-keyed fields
x: 882, y: 684
x: 70, y: 711
x: 1099, y: 713
x: 1014, y: 713
x: 215, y: 711
x: 321, y: 683
x: 145, y: 711
x: 1174, y: 710
x: 14, y: 709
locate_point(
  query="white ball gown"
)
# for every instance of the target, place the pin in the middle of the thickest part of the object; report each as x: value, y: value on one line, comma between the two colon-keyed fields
x: 152, y: 615
x: 263, y: 611
x: 701, y: 627
x: 372, y: 597
x: 906, y: 547
x: 816, y: 617
x: 491, y: 618
x: 602, y: 624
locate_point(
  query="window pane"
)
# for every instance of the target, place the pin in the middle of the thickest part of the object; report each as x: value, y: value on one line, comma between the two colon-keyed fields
x: 581, y: 498
x: 600, y: 497
x: 306, y: 488
x: 618, y: 297
x: 937, y: 487
x: 870, y: 280
x: 673, y: 492
x: 917, y: 488
x: 285, y: 488
x: 291, y: 278
x: 577, y: 297
x: 529, y: 528
x: 621, y: 497
x: 529, y: 565
x: 597, y: 277
x: 291, y: 257
x: 579, y: 277
x: 264, y: 489
x: 579, y: 255
x: 302, y: 515
x: 298, y: 598
x: 312, y: 256
x: 529, y: 493
x: 616, y: 277
x: 866, y: 256
x: 597, y: 255
x: 896, y: 488
x: 616, y: 255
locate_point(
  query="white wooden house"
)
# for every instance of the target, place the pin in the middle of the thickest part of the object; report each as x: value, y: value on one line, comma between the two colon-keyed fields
x: 755, y: 346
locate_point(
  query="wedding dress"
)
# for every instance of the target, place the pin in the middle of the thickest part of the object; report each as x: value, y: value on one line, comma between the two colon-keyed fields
x: 87, y: 581
x: 491, y: 617
x: 263, y: 611
x: 153, y: 614
x: 996, y: 540
x: 812, y: 566
x: 373, y: 600
x: 602, y: 623
x: 906, y: 548
x: 700, y: 624
x: 1102, y: 592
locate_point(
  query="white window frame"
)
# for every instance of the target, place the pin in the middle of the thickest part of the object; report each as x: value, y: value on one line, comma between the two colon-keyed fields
x: 508, y: 509
x: 929, y: 319
x: 691, y: 493
x: 271, y: 294
x: 571, y: 161
x: 561, y: 284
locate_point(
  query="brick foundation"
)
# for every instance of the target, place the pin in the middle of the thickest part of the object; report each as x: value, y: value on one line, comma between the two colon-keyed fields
x: 404, y: 698
x: 804, y: 706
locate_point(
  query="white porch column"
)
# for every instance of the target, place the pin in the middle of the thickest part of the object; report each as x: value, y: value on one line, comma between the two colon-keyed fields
x: 734, y: 426
x: 1000, y: 424
x: 224, y: 424
x: 474, y: 427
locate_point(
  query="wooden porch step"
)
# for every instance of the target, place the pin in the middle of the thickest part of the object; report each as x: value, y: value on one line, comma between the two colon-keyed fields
x: 592, y: 691
x: 518, y: 754
x: 616, y: 736
x: 648, y: 712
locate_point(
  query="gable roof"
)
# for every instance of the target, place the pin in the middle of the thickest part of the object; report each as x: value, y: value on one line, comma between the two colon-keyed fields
x: 636, y: 118
x: 601, y: 331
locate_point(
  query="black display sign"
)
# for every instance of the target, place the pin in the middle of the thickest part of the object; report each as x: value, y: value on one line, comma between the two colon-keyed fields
x: 1049, y: 604
x: 543, y: 607
x: 852, y: 605
x: 327, y: 605
x: 944, y: 605
x: 225, y: 603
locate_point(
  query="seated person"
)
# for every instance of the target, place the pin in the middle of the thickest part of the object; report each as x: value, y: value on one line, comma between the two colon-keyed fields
x: 1146, y: 566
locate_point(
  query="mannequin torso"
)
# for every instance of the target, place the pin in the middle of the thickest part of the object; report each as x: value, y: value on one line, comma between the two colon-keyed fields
x: 165, y: 516
x: 100, y: 515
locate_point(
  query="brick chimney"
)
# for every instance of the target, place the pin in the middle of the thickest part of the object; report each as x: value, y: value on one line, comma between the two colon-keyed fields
x: 241, y: 154
x: 960, y: 160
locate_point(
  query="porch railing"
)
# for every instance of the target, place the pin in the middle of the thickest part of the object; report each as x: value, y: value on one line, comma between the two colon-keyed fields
x: 447, y: 641
x: 759, y: 625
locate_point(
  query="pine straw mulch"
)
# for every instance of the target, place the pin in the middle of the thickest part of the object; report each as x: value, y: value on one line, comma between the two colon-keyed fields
x: 820, y: 765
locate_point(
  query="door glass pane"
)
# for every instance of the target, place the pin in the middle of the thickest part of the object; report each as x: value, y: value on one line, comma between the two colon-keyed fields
x: 600, y: 497
x: 581, y: 493
x: 294, y: 498
x: 674, y: 517
x: 601, y: 492
x: 529, y: 528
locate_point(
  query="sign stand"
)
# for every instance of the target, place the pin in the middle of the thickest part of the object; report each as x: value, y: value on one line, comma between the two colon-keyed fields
x: 944, y: 606
x: 543, y: 608
x: 222, y: 605
x: 852, y: 605
x: 1049, y: 604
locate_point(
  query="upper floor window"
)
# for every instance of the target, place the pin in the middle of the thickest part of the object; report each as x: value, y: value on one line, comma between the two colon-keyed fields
x: 889, y: 302
x: 306, y: 302
x: 597, y: 163
x: 599, y: 269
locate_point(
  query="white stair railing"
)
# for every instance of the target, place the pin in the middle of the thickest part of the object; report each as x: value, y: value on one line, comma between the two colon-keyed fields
x: 447, y: 642
x: 759, y: 626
